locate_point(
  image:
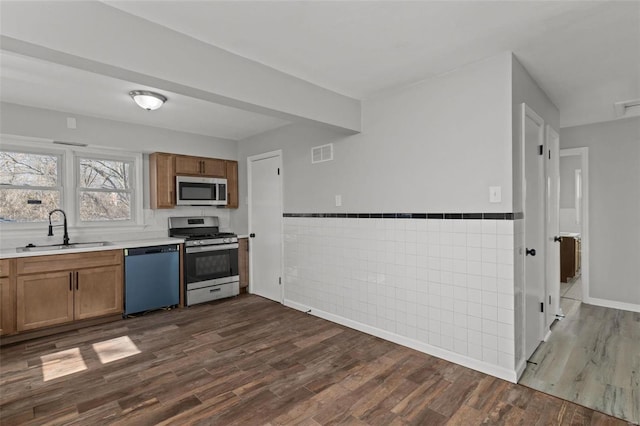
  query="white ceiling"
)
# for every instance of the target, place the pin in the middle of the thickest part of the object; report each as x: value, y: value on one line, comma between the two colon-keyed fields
x: 585, y: 55
x: 36, y: 83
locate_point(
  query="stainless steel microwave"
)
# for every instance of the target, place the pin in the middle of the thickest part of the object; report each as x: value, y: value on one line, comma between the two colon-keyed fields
x: 201, y: 191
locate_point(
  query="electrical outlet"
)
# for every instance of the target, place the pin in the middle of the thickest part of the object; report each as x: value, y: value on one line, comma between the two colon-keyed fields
x: 71, y: 123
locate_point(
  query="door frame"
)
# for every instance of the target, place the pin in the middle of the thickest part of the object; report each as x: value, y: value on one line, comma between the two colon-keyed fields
x: 250, y: 160
x: 583, y: 153
x: 552, y: 273
x: 527, y: 111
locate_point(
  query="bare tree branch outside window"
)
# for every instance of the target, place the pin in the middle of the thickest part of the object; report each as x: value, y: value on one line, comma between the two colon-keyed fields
x: 105, y: 189
x: 29, y: 186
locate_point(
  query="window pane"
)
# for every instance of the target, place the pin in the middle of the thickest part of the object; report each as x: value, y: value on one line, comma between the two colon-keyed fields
x: 105, y: 206
x: 14, y: 206
x: 104, y: 174
x: 24, y: 169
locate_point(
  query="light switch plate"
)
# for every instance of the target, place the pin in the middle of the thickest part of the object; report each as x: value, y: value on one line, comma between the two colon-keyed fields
x: 71, y: 123
x: 338, y: 200
x: 495, y: 194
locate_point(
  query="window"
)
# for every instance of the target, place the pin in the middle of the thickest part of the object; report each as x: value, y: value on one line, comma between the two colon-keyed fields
x: 30, y: 186
x: 95, y: 187
x: 104, y: 189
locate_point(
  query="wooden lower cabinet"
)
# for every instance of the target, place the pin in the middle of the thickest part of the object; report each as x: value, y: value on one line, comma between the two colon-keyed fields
x: 98, y: 292
x: 93, y: 288
x: 7, y: 307
x: 44, y: 300
x: 243, y: 264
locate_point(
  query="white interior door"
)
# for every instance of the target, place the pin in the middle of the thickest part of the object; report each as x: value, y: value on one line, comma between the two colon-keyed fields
x: 265, y: 225
x: 553, y: 225
x: 534, y: 230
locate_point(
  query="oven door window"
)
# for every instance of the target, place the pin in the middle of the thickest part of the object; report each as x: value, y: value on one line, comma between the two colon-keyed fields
x: 197, y: 191
x: 209, y: 265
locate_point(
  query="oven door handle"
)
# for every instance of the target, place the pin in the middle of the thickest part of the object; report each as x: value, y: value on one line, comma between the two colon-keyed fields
x: 211, y: 248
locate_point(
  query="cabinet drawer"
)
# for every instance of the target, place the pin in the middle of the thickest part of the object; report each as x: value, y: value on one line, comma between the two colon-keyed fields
x: 4, y: 267
x: 207, y: 294
x: 65, y: 262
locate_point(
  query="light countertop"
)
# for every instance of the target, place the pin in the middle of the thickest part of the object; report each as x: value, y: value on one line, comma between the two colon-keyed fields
x: 113, y: 245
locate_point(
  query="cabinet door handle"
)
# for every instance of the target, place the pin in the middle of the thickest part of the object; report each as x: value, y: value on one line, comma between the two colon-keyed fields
x: 70, y: 281
x: 77, y: 280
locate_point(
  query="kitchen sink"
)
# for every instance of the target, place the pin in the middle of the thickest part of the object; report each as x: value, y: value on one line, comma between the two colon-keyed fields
x: 51, y: 247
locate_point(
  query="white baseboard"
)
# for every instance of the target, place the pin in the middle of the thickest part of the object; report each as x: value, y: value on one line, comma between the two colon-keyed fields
x: 612, y: 304
x: 546, y: 337
x: 483, y: 367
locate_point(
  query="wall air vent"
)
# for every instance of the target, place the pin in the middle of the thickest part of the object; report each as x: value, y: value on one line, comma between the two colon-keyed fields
x: 627, y: 108
x: 70, y: 143
x: 322, y: 153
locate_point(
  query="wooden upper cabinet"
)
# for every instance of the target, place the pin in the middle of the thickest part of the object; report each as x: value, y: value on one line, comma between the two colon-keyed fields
x: 186, y: 165
x: 232, y: 184
x: 162, y: 179
x: 164, y: 167
x: 213, y: 167
x: 199, y: 166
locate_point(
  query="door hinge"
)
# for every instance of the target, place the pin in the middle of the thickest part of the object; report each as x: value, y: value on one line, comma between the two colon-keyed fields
x: 278, y: 171
x: 540, y: 149
x: 280, y: 280
x: 541, y: 307
x: 549, y: 154
x: 549, y: 299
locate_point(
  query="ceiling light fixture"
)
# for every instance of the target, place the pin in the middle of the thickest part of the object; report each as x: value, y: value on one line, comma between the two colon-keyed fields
x: 148, y: 100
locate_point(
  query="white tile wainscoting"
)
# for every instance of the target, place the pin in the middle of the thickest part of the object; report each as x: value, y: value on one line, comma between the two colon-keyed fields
x: 441, y: 286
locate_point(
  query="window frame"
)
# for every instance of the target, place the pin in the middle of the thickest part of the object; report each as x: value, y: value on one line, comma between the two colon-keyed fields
x: 12, y: 146
x: 68, y: 181
x: 95, y: 155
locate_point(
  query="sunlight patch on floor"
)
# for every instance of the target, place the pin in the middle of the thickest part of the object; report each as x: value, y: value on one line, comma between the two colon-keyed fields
x: 62, y: 364
x: 115, y: 349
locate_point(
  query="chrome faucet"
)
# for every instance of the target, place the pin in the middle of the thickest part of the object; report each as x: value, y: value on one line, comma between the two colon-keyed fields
x: 66, y: 234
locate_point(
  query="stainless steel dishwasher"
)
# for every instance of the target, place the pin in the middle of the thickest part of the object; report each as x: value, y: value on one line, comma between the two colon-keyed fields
x: 152, y: 278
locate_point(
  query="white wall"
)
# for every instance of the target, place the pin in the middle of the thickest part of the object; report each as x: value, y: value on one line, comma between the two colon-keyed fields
x: 433, y: 147
x: 614, y: 206
x: 38, y: 123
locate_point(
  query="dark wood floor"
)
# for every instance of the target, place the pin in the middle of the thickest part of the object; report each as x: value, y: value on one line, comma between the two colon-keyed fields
x: 252, y: 361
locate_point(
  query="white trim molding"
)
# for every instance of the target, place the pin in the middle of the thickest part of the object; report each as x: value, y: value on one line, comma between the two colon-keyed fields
x: 474, y: 364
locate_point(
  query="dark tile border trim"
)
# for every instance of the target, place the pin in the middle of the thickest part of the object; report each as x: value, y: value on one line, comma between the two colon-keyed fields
x: 455, y: 216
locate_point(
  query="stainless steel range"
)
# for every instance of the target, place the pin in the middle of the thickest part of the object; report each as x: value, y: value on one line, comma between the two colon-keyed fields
x: 210, y: 258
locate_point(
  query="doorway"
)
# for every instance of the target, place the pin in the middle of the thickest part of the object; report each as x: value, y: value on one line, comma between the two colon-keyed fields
x: 573, y: 220
x: 265, y: 225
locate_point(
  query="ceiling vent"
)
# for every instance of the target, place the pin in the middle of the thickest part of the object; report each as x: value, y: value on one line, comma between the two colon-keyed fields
x: 321, y: 153
x: 627, y: 108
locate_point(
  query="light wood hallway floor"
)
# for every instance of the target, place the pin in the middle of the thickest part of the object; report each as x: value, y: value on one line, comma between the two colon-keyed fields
x: 249, y: 361
x: 592, y: 358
